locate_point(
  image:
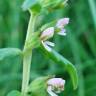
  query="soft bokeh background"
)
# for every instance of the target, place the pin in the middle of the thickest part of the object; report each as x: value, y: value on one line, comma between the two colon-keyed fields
x: 79, y: 46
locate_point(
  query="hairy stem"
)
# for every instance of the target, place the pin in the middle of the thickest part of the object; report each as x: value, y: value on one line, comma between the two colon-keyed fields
x: 27, y: 56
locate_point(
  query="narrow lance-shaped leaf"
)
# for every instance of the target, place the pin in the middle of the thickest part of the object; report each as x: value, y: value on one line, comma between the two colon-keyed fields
x: 9, y: 52
x: 59, y: 59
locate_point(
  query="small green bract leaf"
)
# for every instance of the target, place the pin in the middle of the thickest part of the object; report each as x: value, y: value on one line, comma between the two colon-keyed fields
x: 28, y: 4
x: 33, y: 41
x: 9, y: 52
x: 41, y: 5
x: 59, y: 59
x: 51, y: 3
x: 14, y: 93
x: 38, y: 87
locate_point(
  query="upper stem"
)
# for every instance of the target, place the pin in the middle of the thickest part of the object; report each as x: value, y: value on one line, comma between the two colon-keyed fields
x: 27, y: 56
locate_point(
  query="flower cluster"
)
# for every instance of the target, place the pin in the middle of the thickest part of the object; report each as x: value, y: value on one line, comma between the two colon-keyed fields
x: 55, y: 85
x: 49, y: 32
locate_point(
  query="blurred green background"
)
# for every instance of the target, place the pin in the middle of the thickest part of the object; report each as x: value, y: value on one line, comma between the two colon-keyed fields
x: 79, y: 46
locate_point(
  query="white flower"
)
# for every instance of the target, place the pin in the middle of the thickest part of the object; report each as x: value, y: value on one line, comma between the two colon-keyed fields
x: 47, y: 33
x: 61, y: 24
x: 55, y: 85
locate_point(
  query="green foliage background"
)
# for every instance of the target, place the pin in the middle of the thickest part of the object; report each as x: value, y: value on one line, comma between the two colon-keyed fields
x: 79, y: 46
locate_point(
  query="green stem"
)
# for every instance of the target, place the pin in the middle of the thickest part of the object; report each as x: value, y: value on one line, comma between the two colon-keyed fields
x: 27, y: 56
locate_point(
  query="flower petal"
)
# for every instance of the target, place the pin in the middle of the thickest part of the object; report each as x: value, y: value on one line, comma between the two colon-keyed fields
x: 49, y: 90
x: 47, y: 33
x: 62, y: 32
x: 47, y: 45
x: 62, y: 22
x: 55, y: 83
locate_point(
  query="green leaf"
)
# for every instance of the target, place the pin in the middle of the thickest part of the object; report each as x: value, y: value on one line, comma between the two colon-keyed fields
x: 52, y: 3
x: 59, y: 59
x: 29, y: 4
x: 9, y: 52
x: 14, y: 93
x: 41, y: 5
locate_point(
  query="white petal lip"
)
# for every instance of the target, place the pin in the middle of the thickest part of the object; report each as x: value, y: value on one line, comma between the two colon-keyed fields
x: 47, y: 33
x: 62, y: 32
x: 47, y: 45
x: 49, y: 90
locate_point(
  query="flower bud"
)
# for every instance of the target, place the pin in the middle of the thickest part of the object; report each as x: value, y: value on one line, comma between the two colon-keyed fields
x: 48, y: 33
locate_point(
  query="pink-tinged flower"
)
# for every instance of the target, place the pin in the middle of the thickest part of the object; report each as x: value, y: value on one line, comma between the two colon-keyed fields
x: 55, y: 85
x: 47, y: 33
x: 62, y: 22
